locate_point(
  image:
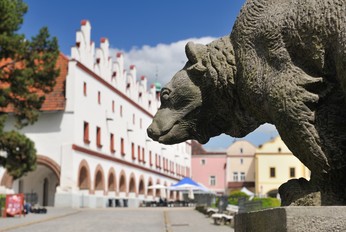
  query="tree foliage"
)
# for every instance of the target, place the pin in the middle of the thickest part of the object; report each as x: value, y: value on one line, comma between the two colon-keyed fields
x: 27, y: 67
x: 18, y: 153
x: 27, y: 71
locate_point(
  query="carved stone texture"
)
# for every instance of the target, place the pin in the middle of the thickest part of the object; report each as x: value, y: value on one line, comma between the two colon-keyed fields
x: 283, y: 63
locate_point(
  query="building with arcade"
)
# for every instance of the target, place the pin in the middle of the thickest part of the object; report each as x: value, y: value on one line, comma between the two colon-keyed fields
x: 91, y: 136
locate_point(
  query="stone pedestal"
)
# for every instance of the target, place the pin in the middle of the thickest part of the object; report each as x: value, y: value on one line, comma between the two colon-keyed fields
x: 293, y: 218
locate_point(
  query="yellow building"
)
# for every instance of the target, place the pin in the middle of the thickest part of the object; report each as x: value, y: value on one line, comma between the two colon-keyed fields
x: 275, y: 164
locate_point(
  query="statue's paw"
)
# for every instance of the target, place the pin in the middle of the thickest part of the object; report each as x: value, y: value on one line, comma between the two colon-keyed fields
x: 299, y: 192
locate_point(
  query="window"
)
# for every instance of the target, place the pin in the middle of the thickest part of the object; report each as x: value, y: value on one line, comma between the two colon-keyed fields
x: 113, y: 106
x: 235, y: 176
x: 203, y: 161
x: 241, y: 161
x: 156, y: 161
x: 143, y: 155
x: 133, y: 119
x: 140, y: 123
x: 139, y: 153
x: 85, y: 88
x: 86, y: 132
x: 99, y: 97
x: 150, y: 158
x: 111, y: 142
x: 122, y: 147
x: 212, y: 180
x: 242, y: 176
x: 121, y: 111
x: 133, y: 151
x: 272, y: 172
x: 98, y: 137
x: 241, y: 150
x: 292, y: 172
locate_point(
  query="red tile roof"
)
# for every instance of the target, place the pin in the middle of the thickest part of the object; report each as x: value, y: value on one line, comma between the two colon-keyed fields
x: 55, y: 100
x: 197, y: 148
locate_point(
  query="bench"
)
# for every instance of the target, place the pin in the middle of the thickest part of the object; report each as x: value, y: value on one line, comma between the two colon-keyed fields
x: 232, y: 209
x: 221, y: 217
x: 211, y: 211
x: 226, y: 216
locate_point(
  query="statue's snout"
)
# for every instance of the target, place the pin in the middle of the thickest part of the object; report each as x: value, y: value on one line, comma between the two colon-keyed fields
x: 153, y: 131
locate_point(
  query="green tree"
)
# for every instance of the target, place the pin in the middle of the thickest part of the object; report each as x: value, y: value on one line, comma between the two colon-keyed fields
x: 27, y: 72
x: 19, y: 153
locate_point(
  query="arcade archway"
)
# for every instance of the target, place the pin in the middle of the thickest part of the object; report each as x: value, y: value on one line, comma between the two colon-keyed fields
x: 40, y: 185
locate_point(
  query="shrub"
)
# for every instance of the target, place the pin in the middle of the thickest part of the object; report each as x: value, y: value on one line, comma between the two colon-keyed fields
x: 235, y: 195
x: 268, y: 202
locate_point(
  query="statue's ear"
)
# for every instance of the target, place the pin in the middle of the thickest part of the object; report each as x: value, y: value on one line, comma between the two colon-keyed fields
x: 191, y: 53
x: 195, y: 54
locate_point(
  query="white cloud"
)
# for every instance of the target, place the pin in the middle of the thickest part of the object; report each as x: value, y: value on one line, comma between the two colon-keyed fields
x: 161, y: 62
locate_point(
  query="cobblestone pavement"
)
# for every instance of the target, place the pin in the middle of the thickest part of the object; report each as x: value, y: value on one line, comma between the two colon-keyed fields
x: 114, y: 219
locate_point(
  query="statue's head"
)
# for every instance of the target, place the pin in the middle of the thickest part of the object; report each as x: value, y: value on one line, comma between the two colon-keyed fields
x: 190, y: 102
x: 181, y: 101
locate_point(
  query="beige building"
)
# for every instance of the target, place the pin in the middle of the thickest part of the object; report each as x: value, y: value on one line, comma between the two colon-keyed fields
x: 275, y: 164
x: 240, y: 166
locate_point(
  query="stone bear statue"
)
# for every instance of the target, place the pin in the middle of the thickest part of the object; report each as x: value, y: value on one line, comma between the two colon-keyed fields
x: 283, y: 63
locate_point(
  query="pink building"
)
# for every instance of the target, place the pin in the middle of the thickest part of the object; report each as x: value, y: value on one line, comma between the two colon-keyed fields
x: 209, y: 168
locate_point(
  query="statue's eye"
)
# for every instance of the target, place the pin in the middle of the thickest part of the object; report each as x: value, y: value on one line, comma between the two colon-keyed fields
x: 165, y: 94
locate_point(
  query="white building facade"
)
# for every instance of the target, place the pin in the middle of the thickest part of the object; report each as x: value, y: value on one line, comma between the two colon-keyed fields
x: 95, y: 146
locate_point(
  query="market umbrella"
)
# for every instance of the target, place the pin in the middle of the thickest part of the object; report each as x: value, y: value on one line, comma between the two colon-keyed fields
x: 187, y: 184
x: 159, y: 186
x: 191, y: 195
x: 247, y: 192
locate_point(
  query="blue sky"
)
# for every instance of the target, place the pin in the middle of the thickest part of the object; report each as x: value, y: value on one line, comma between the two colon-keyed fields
x: 132, y: 23
x: 151, y: 34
